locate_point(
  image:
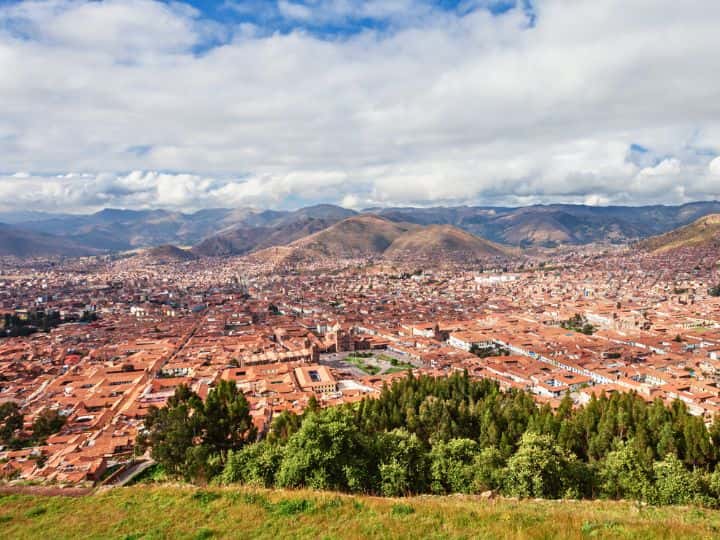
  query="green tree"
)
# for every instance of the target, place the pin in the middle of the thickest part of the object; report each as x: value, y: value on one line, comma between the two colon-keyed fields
x: 255, y: 464
x: 11, y: 420
x: 488, y: 470
x: 452, y: 467
x: 327, y: 452
x: 674, y: 484
x: 625, y: 474
x: 540, y: 468
x: 46, y: 423
x: 403, y: 465
x: 172, y: 430
x: 226, y: 420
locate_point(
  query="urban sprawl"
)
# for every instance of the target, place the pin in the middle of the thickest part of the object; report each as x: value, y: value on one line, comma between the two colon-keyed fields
x: 95, y: 342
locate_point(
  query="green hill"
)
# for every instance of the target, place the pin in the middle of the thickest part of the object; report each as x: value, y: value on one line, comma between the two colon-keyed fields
x: 185, y: 512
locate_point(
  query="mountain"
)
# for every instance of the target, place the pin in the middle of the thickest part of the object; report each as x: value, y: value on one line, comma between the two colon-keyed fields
x: 443, y: 243
x: 224, y: 231
x: 168, y: 254
x: 241, y: 240
x: 358, y: 236
x: 550, y: 225
x: 117, y: 230
x: 17, y: 242
x: 14, y: 217
x: 704, y: 232
x: 369, y: 235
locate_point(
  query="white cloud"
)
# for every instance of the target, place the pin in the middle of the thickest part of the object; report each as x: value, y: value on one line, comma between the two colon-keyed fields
x: 443, y: 108
x: 292, y: 10
x: 714, y: 167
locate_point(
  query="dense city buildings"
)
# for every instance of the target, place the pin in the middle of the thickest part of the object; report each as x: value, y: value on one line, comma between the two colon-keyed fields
x: 129, y: 331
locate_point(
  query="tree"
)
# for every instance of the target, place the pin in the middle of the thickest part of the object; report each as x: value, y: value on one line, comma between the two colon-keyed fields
x: 625, y: 474
x: 452, y: 466
x: 46, y: 423
x: 326, y: 453
x: 172, y: 430
x: 11, y: 420
x: 255, y: 464
x: 403, y: 465
x: 191, y: 438
x: 674, y: 484
x: 227, y: 424
x: 283, y: 426
x: 540, y: 468
x: 488, y: 470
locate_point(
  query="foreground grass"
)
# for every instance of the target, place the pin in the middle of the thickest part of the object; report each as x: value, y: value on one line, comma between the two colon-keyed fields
x: 186, y: 512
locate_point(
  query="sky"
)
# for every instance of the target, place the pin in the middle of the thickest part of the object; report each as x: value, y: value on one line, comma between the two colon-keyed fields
x: 284, y: 103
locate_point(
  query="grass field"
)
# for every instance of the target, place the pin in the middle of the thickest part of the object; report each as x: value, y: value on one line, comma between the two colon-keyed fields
x: 186, y: 512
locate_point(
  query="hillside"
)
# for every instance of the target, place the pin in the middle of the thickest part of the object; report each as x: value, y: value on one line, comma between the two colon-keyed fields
x: 549, y: 225
x: 443, y: 242
x: 369, y: 235
x: 358, y: 236
x: 168, y: 254
x: 241, y: 240
x: 180, y: 511
x: 705, y: 232
x: 118, y: 230
x: 17, y: 242
x: 237, y: 231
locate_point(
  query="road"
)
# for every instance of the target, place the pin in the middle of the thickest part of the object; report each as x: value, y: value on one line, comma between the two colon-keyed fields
x: 131, y: 472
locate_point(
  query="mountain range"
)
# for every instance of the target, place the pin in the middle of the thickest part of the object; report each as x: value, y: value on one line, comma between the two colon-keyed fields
x: 240, y: 231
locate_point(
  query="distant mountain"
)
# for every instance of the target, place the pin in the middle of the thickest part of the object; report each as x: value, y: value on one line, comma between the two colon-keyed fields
x: 223, y: 231
x: 14, y: 217
x: 443, y: 243
x: 21, y: 243
x: 550, y: 225
x: 704, y: 232
x: 241, y: 240
x: 118, y: 230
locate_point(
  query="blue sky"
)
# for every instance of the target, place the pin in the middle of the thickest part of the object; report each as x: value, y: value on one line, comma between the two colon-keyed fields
x: 277, y: 103
x: 267, y: 14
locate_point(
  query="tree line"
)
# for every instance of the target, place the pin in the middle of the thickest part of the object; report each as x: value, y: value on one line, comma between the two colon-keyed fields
x: 39, y: 321
x: 446, y: 435
x: 13, y: 436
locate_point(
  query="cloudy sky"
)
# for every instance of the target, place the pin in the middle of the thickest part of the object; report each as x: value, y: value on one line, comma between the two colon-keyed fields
x: 188, y: 105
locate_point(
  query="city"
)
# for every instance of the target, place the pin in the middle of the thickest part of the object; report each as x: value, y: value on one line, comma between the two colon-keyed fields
x: 580, y: 323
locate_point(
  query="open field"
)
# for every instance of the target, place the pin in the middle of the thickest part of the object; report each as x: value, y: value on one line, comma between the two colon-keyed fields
x: 170, y: 511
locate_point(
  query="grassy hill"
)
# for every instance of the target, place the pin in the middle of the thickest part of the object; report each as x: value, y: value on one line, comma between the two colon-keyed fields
x: 186, y: 512
x: 703, y: 232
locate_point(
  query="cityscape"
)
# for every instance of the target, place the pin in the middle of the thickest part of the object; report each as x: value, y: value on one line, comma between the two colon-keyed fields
x: 359, y: 269
x: 580, y: 321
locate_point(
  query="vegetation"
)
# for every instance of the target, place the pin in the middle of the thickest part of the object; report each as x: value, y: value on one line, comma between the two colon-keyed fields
x: 39, y: 321
x: 451, y: 435
x: 187, y: 512
x: 11, y: 423
x: 192, y: 438
x: 714, y: 291
x: 486, y: 352
x: 14, y: 325
x: 358, y: 361
x: 578, y: 323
